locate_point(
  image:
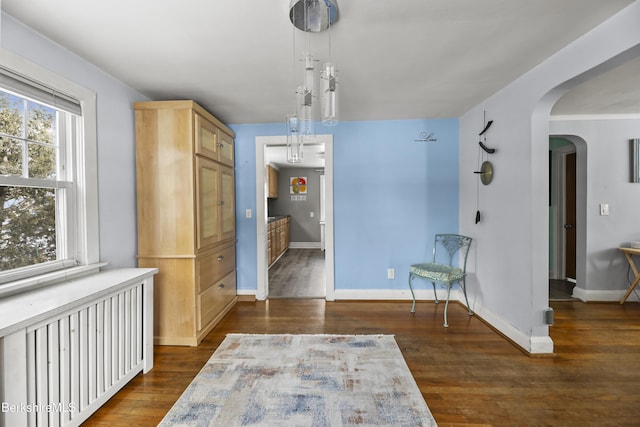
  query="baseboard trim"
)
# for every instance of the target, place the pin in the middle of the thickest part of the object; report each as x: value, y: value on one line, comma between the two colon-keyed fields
x: 603, y: 296
x: 304, y: 245
x: 392, y: 294
x: 246, y: 293
x: 531, y: 345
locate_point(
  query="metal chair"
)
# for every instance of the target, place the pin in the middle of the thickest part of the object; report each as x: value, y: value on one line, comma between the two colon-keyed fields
x: 439, y: 272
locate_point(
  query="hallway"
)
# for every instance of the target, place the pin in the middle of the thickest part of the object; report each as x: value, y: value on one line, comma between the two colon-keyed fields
x: 300, y: 273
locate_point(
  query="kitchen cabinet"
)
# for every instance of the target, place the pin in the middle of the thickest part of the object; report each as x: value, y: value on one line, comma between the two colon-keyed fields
x: 278, y: 239
x: 273, y: 175
x: 186, y: 217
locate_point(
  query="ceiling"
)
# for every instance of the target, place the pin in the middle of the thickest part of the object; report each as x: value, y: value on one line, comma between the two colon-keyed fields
x: 401, y: 59
x: 313, y: 157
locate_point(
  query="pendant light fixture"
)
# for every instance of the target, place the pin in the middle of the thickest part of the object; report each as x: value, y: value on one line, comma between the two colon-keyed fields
x: 311, y: 16
x: 294, y: 143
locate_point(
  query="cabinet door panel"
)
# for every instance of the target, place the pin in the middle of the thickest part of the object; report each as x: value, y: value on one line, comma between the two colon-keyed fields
x: 225, y: 148
x: 206, y: 138
x: 272, y: 180
x: 207, y: 204
x: 228, y: 220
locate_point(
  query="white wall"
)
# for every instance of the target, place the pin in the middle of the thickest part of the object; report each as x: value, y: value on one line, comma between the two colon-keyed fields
x: 116, y: 136
x: 509, y: 264
x: 607, y: 181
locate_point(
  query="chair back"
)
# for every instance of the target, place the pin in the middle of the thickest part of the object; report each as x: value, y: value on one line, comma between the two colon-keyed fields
x: 452, y: 244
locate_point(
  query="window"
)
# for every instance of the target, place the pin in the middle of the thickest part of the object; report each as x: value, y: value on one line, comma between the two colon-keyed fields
x: 36, y: 182
x: 48, y: 185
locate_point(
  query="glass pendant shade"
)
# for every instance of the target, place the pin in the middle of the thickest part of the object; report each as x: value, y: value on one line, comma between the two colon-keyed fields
x: 329, y: 95
x: 306, y: 96
x: 294, y: 140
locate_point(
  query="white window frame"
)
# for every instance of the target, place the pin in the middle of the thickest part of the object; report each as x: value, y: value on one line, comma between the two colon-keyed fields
x: 85, y: 198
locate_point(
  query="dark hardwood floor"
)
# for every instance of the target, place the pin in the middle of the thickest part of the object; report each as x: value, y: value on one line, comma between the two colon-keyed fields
x: 468, y: 374
x: 299, y: 273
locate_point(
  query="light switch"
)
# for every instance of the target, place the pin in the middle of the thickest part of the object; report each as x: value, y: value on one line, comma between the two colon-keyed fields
x: 604, y: 209
x: 247, y: 213
x: 311, y: 214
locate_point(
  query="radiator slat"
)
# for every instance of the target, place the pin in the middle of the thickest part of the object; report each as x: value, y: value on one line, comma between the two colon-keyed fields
x: 127, y: 332
x: 53, y: 371
x: 65, y: 368
x: 115, y: 340
x: 74, y: 362
x: 31, y: 374
x: 121, y: 337
x: 100, y: 348
x: 92, y: 357
x: 108, y: 352
x: 84, y: 362
x: 42, y: 385
x: 139, y: 325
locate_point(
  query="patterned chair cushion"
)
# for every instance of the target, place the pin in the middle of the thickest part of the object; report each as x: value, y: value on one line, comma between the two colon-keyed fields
x: 437, y: 272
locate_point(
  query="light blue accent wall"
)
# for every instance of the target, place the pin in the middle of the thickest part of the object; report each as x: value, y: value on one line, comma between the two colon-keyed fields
x: 245, y: 170
x: 391, y: 195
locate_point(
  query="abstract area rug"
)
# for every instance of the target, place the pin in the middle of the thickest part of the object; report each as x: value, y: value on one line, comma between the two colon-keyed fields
x: 303, y: 380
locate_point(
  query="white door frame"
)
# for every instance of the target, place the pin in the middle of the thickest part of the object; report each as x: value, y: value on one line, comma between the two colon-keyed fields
x: 261, y: 213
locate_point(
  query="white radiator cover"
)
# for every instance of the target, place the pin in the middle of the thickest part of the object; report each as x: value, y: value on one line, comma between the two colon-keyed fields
x: 67, y: 348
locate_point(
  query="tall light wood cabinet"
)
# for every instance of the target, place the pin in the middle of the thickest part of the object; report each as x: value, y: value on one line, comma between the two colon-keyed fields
x: 186, y: 217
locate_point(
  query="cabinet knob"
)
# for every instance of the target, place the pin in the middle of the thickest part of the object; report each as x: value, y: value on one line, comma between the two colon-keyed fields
x: 221, y: 286
x: 221, y: 203
x: 220, y: 258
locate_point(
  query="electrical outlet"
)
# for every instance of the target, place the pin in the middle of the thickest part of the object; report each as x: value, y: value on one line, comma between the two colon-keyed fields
x: 391, y: 273
x: 247, y: 213
x: 604, y: 209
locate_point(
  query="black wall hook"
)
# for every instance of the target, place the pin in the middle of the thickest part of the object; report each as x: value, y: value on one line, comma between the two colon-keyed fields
x: 487, y: 149
x: 487, y: 126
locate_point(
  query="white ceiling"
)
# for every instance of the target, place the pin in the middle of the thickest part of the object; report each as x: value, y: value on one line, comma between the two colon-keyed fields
x: 401, y: 59
x: 313, y: 157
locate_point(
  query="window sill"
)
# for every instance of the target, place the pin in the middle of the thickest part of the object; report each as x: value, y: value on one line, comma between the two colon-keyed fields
x: 47, y: 279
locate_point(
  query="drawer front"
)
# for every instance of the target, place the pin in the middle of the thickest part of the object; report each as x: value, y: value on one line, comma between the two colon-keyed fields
x: 212, y: 267
x: 213, y: 300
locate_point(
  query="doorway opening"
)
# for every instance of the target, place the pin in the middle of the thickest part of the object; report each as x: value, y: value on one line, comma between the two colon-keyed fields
x: 296, y: 214
x: 565, y: 225
x: 294, y: 226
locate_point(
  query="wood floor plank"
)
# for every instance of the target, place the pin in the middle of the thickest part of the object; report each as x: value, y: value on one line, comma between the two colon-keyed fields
x: 468, y: 374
